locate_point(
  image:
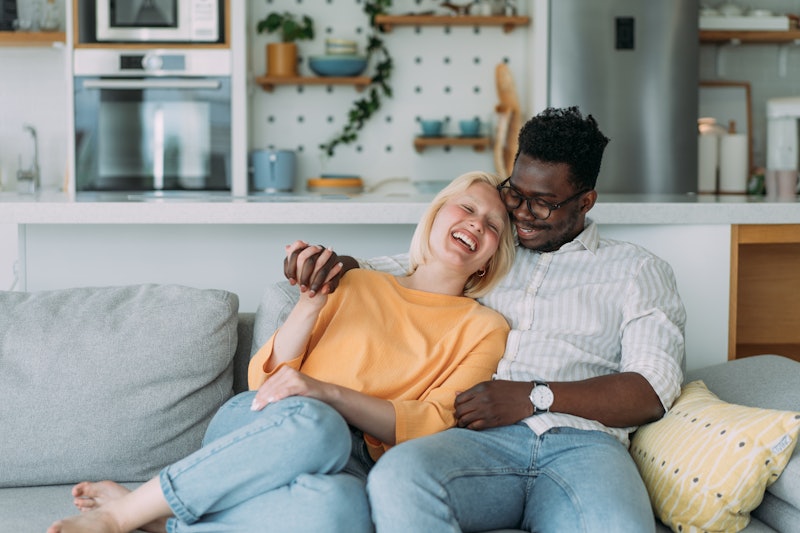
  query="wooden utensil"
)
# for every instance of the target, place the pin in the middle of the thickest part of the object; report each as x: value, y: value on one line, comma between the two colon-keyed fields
x: 509, y: 121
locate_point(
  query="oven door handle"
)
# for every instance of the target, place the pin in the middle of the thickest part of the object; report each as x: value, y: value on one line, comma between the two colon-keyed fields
x: 122, y: 85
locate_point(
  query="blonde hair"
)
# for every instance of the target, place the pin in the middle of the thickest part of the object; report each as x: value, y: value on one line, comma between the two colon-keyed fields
x: 499, y: 264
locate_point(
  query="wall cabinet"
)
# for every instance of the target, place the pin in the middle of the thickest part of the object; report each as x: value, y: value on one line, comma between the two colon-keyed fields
x: 765, y: 290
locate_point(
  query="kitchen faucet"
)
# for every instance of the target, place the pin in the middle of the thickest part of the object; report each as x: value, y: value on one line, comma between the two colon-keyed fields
x: 28, y: 180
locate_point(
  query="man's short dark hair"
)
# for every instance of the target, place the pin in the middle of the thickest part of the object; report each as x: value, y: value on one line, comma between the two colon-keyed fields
x: 563, y: 135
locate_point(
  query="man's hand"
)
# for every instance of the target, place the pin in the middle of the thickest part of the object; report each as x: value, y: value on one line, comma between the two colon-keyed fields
x: 494, y: 403
x: 315, y: 268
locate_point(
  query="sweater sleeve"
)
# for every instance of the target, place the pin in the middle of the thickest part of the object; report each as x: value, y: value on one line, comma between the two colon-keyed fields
x: 435, y: 410
x: 256, y: 375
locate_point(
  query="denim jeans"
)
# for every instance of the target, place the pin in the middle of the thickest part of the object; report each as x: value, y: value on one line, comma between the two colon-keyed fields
x: 286, y: 468
x: 508, y: 477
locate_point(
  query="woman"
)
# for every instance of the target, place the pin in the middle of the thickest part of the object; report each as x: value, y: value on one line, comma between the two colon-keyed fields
x: 347, y: 376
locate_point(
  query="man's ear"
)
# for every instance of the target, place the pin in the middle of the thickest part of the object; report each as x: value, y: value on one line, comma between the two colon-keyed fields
x: 588, y: 200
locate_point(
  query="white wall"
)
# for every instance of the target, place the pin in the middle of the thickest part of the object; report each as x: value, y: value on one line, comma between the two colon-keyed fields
x: 243, y: 258
x: 438, y: 73
x: 33, y: 86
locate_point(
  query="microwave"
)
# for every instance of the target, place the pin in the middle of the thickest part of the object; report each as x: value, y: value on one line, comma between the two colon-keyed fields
x: 170, y: 21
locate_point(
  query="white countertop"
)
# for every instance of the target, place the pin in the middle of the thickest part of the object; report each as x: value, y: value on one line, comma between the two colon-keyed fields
x: 222, y: 208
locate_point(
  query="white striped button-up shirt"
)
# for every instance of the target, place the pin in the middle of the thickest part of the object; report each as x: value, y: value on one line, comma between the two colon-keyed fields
x: 593, y: 307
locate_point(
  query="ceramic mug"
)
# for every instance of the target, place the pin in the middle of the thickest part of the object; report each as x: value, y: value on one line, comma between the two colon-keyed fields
x: 431, y: 128
x: 470, y: 127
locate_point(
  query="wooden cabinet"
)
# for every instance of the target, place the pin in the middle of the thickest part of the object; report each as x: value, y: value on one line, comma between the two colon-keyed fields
x: 35, y: 38
x: 765, y: 290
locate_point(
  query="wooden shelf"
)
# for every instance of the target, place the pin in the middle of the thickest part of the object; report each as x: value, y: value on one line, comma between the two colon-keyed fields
x: 268, y: 83
x: 479, y: 144
x: 752, y: 37
x: 765, y: 282
x: 32, y: 38
x: 388, y: 22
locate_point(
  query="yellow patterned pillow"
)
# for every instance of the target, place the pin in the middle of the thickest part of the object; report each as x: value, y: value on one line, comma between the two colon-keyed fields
x: 707, y: 463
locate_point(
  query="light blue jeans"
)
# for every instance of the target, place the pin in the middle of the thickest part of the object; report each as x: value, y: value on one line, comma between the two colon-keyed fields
x: 286, y: 468
x: 508, y: 477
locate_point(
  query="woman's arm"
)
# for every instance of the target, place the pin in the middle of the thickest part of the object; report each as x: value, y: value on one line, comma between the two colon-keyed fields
x: 292, y: 337
x: 373, y: 416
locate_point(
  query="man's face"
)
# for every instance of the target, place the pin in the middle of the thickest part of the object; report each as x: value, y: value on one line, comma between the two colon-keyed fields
x: 550, y: 182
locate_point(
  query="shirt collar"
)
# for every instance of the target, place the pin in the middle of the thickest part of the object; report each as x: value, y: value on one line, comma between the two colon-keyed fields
x: 588, y: 239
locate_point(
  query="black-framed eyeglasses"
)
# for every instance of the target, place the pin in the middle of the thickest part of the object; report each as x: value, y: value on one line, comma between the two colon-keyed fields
x: 537, y: 207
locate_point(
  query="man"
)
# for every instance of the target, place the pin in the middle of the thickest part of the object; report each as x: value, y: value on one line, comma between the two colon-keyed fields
x: 595, y: 350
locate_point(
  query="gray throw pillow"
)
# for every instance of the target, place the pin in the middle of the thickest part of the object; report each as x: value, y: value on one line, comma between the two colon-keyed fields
x: 109, y: 383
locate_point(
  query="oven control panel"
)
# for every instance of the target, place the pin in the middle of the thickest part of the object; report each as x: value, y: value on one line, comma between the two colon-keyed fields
x: 152, y: 62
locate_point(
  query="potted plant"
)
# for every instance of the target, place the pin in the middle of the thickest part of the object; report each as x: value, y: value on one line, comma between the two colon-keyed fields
x: 282, y: 56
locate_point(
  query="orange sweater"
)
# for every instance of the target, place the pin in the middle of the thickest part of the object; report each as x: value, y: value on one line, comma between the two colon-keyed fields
x: 416, y: 349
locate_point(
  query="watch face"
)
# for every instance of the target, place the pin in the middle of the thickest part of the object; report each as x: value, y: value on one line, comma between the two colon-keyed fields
x: 542, y: 397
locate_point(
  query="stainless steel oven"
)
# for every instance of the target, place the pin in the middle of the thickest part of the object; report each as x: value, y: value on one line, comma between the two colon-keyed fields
x: 152, y: 120
x: 182, y: 21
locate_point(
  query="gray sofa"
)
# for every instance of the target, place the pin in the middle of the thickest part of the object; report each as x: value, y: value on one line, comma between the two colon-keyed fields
x: 115, y: 382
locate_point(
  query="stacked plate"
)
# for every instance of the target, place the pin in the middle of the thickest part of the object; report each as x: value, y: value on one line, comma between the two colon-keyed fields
x: 341, y: 59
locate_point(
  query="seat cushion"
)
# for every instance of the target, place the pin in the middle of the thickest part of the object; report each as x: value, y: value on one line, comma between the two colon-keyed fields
x: 35, y: 508
x: 110, y: 383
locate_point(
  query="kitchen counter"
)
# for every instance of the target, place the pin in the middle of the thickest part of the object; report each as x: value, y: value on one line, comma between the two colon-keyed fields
x: 236, y: 243
x: 397, y: 208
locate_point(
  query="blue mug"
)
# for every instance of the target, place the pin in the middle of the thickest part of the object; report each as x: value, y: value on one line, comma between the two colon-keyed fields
x: 273, y: 170
x: 470, y: 128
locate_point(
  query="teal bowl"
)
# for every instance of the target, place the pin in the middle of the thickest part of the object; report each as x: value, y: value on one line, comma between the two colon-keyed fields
x: 337, y: 65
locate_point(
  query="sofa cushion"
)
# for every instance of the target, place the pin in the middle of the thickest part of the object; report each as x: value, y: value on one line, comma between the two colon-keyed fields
x: 776, y: 513
x: 707, y: 462
x: 110, y: 383
x: 34, y: 509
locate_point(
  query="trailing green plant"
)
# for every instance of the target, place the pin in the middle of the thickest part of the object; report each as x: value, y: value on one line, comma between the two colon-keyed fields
x: 289, y: 27
x: 364, y: 108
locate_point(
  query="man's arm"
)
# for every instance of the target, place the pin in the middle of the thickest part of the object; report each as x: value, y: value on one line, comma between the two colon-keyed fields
x: 306, y: 265
x: 618, y: 400
x: 302, y: 259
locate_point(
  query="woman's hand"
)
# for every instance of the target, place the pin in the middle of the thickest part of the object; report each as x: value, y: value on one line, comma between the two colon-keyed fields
x: 289, y: 382
x: 315, y: 268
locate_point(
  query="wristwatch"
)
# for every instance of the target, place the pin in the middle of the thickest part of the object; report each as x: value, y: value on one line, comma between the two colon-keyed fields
x: 541, y: 397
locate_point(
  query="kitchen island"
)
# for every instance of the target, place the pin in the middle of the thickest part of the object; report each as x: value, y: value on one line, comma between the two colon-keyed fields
x: 236, y: 243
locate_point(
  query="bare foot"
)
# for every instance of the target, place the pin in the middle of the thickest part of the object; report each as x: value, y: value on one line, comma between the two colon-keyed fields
x: 92, y: 522
x: 93, y: 495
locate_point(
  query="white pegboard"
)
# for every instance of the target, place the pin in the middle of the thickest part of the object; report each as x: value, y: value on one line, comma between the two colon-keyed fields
x: 441, y: 72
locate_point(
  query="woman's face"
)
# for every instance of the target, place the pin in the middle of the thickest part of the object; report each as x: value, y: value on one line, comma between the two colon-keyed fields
x: 466, y: 231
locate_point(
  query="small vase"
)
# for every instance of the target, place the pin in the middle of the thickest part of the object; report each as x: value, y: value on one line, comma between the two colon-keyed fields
x: 282, y: 60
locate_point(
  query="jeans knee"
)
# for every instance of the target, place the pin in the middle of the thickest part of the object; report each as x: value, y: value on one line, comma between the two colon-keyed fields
x: 331, y: 434
x: 392, y: 470
x: 340, y: 500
